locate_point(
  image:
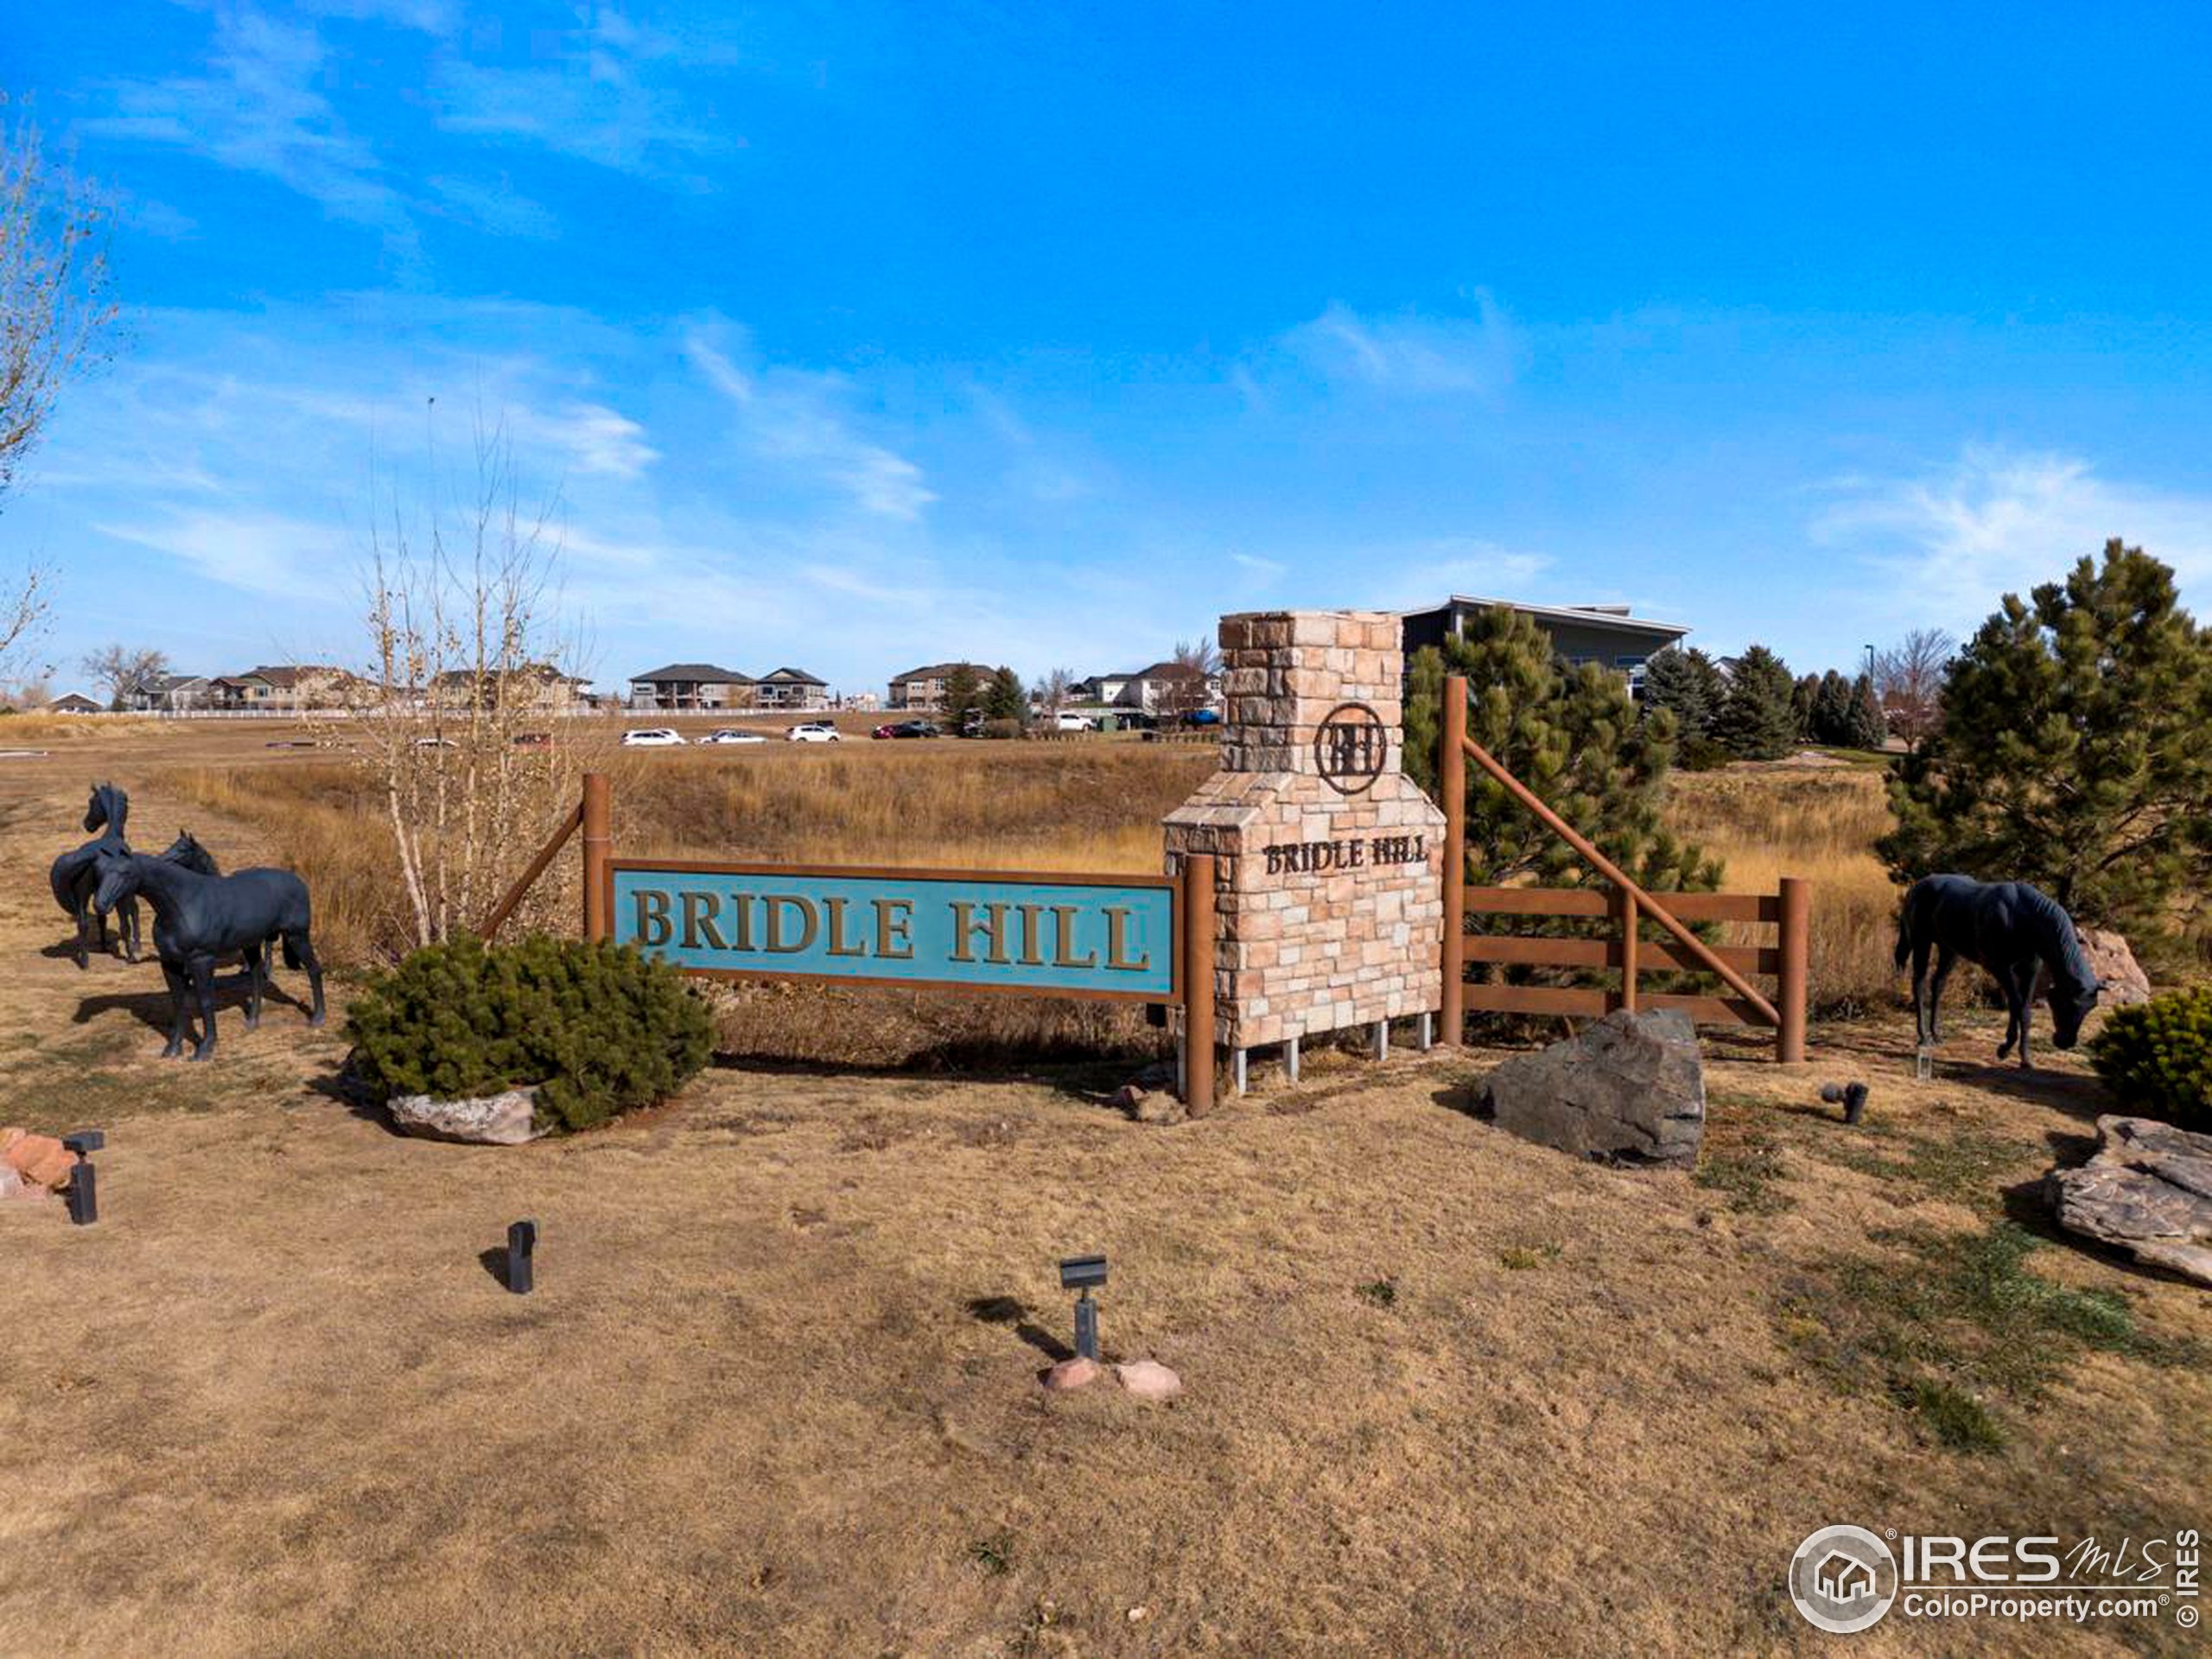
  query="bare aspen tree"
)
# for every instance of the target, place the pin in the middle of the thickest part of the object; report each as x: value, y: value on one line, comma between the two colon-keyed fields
x: 1908, y: 683
x: 466, y: 714
x: 53, y: 304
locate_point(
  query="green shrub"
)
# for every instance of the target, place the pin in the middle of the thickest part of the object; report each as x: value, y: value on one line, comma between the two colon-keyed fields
x: 598, y: 1028
x: 2156, y: 1057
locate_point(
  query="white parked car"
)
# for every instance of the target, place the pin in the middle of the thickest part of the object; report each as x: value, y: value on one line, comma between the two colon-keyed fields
x: 812, y: 731
x: 730, y: 734
x: 1068, y: 720
x: 652, y: 737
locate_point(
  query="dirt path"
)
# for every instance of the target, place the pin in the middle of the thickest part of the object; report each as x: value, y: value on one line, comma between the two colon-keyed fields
x: 1448, y: 1392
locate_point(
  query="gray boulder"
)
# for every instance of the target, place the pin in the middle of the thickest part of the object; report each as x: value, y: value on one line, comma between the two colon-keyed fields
x: 1629, y: 1088
x: 2148, y: 1190
x: 489, y: 1120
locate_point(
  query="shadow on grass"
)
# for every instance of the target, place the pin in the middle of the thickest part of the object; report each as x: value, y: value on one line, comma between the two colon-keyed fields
x: 1010, y: 1311
x: 1090, y: 1079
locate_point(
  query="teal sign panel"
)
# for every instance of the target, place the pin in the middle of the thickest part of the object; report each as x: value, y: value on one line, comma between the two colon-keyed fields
x: 1049, y: 934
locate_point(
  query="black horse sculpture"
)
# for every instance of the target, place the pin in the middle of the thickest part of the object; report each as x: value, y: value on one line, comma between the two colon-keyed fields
x: 73, y: 878
x: 199, y: 918
x: 2007, y: 927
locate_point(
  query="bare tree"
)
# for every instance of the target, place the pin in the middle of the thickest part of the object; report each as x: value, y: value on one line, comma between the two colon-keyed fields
x: 54, y: 279
x: 1052, y: 691
x: 118, y: 668
x: 1908, y: 683
x: 467, y: 675
x: 25, y: 604
x: 1198, y: 664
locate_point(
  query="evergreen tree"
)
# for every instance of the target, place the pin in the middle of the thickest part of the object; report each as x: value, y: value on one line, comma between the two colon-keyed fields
x: 1805, y: 706
x: 962, y: 690
x: 1003, y: 698
x: 1573, y: 736
x: 1687, y: 686
x: 1756, y: 722
x: 2071, y: 750
x: 1863, y: 725
x: 1831, y: 722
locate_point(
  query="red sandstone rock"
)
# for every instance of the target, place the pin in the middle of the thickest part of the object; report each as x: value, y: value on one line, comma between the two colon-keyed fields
x: 1071, y: 1374
x: 39, y: 1158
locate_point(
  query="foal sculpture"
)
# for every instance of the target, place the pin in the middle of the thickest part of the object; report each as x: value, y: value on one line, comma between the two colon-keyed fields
x: 73, y: 878
x: 2007, y: 927
x: 201, y: 919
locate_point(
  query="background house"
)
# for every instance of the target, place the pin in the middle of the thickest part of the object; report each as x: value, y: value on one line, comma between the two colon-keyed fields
x: 682, y: 687
x: 1607, y: 634
x: 923, y: 688
x: 167, y: 694
x: 1168, y: 689
x: 72, y: 703
x: 792, y: 689
x: 535, y: 685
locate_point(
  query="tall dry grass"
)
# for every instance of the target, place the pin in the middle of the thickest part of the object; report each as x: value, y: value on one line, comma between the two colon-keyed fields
x: 1019, y: 807
x: 1767, y: 823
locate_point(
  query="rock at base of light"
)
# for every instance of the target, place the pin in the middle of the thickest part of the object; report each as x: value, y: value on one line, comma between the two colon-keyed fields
x: 1147, y: 1379
x: 1075, y: 1373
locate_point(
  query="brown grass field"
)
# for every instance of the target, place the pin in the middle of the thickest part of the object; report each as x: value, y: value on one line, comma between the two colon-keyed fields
x: 1447, y: 1392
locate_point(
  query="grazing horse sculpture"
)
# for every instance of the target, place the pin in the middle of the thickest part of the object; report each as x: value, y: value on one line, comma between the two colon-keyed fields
x: 2007, y: 927
x: 199, y: 919
x: 73, y: 878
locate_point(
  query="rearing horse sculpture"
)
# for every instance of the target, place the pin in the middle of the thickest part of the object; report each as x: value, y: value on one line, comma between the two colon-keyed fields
x: 2008, y: 927
x: 199, y: 919
x: 73, y: 878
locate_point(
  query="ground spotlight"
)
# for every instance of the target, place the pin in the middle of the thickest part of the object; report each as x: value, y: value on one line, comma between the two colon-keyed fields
x: 84, y: 1189
x: 522, y: 1242
x: 1081, y: 1273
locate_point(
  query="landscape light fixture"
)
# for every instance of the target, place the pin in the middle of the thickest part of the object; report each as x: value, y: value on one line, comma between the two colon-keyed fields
x: 84, y: 1191
x: 522, y: 1240
x: 1081, y: 1273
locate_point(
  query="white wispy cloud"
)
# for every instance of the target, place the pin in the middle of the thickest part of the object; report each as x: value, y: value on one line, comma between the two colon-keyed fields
x: 269, y: 554
x: 259, y: 109
x: 790, y: 416
x: 1997, y: 520
x: 1411, y: 354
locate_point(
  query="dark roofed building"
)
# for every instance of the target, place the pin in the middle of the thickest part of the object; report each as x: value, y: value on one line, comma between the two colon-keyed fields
x: 792, y: 687
x: 1607, y: 634
x: 684, y: 687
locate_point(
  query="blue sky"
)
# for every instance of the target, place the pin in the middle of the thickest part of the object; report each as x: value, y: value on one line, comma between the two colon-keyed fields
x: 860, y: 336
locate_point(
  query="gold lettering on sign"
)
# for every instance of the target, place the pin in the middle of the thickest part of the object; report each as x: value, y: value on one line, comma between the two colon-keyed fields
x: 1117, y: 941
x: 1032, y: 955
x: 653, y: 916
x: 698, y: 918
x: 1063, y: 953
x: 895, y: 929
x: 965, y: 927
x: 839, y: 946
x: 774, y: 903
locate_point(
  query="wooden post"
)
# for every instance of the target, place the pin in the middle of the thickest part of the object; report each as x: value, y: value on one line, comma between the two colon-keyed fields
x: 505, y: 907
x: 1198, y: 923
x: 1625, y: 917
x: 1795, y: 929
x: 1451, y: 783
x: 599, y: 887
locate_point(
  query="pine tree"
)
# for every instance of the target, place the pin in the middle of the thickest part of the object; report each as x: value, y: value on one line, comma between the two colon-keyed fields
x: 1755, y: 723
x: 1573, y: 736
x: 1831, y: 722
x: 1003, y: 698
x: 1804, y: 706
x: 964, y: 690
x: 2071, y: 750
x: 1863, y: 726
x: 1687, y: 686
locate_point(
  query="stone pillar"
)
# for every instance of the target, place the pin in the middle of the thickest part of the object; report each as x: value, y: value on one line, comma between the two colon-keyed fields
x: 1329, y: 859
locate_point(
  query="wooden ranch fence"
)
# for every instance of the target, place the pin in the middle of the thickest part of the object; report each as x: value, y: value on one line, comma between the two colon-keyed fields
x: 1626, y: 952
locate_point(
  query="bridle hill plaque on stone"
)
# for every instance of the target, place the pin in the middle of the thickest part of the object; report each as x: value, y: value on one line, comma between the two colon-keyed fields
x: 1329, y: 859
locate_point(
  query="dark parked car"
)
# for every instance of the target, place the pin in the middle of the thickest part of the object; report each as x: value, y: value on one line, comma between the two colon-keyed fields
x: 909, y: 728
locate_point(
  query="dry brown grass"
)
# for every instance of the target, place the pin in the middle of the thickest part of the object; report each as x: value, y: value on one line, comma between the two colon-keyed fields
x: 1767, y: 823
x: 774, y: 1393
